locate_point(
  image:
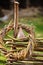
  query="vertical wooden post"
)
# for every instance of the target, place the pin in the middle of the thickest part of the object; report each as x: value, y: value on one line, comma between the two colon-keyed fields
x: 16, y: 9
x: 27, y: 3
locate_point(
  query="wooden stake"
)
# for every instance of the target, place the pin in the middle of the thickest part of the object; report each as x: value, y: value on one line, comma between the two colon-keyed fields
x: 16, y: 8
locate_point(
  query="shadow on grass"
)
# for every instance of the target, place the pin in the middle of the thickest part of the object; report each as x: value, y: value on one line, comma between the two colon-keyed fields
x: 2, y: 62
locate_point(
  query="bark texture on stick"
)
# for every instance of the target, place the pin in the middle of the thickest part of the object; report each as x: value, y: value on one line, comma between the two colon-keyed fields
x: 16, y: 8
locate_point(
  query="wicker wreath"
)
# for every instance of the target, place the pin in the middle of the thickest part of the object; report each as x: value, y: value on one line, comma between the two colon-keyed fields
x: 22, y: 54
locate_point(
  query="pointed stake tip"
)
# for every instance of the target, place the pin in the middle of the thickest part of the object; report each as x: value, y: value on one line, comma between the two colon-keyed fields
x: 20, y: 33
x: 15, y: 2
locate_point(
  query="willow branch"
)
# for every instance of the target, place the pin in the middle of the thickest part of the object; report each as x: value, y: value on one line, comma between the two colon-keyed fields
x: 19, y: 40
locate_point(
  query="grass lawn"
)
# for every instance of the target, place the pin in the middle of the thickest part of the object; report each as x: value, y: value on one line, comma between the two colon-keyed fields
x: 37, y: 22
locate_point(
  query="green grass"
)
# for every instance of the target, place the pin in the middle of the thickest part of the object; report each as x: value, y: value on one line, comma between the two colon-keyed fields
x: 36, y: 22
x: 2, y: 59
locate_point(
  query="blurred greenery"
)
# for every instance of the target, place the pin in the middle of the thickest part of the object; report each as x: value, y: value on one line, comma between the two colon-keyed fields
x: 36, y: 22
